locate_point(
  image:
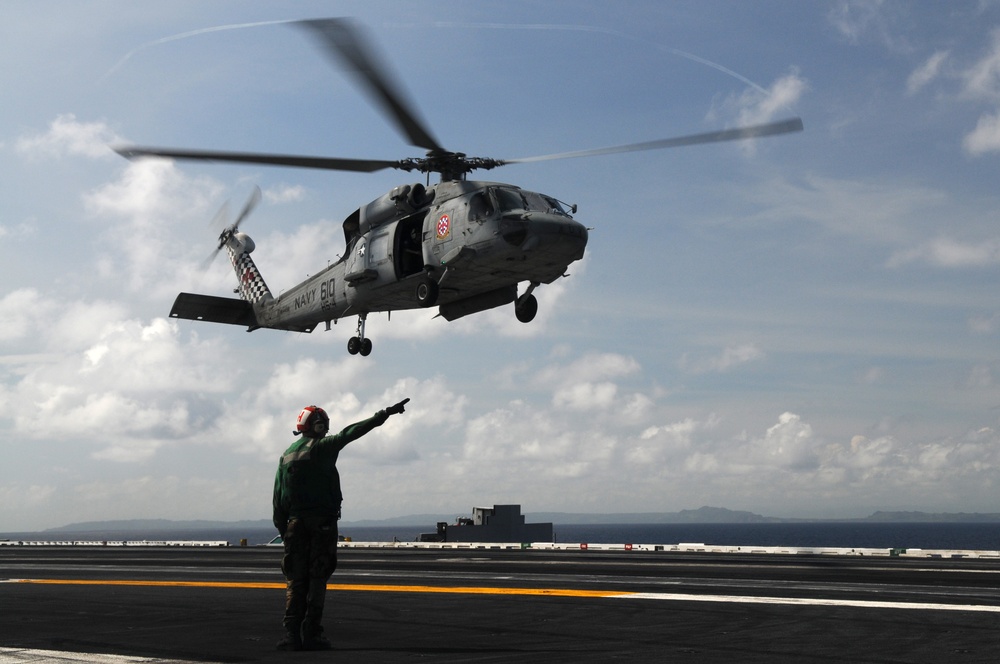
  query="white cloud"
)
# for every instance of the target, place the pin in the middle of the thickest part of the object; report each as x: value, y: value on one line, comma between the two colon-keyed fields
x: 534, y: 446
x: 859, y: 21
x: 21, y: 312
x: 950, y: 253
x: 982, y: 79
x: 585, y: 396
x: 756, y: 105
x: 585, y: 383
x: 124, y: 387
x: 980, y: 377
x: 68, y: 136
x: 872, y: 376
x: 877, y: 211
x: 788, y: 444
x: 927, y: 72
x: 20, y: 230
x: 666, y: 444
x: 985, y: 324
x: 985, y: 137
x: 730, y: 357
x: 757, y: 108
x: 587, y: 368
x: 234, y: 495
x: 16, y: 498
x: 146, y: 212
x: 284, y: 193
x: 981, y: 82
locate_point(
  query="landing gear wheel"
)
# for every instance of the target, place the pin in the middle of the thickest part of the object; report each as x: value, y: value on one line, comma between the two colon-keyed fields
x: 354, y: 346
x: 525, y: 308
x: 427, y: 292
x: 359, y: 343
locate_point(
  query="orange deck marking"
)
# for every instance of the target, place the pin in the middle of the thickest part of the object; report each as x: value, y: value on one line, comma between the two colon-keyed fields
x: 463, y: 590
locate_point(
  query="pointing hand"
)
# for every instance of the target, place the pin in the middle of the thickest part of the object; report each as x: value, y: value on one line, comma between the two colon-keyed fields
x: 397, y: 408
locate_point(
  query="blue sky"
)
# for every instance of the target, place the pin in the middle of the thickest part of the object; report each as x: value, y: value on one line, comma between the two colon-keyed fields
x: 805, y: 325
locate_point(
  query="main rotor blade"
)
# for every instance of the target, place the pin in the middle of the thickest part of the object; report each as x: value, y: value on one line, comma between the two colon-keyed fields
x: 324, y: 163
x: 344, y: 39
x: 737, y: 134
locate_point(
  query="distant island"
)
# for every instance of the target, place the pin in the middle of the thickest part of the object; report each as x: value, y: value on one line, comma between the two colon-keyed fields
x: 701, y: 515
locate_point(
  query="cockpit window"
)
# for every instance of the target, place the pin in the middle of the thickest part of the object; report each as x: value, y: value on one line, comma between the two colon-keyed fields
x: 542, y: 203
x: 519, y: 199
x: 509, y: 199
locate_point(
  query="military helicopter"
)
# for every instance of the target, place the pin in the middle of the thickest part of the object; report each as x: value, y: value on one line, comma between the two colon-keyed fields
x: 464, y: 246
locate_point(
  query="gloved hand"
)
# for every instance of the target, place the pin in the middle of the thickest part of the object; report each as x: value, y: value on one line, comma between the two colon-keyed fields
x: 396, y: 409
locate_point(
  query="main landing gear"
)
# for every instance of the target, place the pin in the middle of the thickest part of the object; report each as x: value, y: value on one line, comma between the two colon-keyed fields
x: 526, y: 306
x: 359, y: 344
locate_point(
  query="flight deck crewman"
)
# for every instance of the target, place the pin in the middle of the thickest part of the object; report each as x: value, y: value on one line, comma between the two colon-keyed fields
x: 306, y: 503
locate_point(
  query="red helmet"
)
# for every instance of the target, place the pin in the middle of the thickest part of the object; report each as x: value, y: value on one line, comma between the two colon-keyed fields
x: 312, y: 420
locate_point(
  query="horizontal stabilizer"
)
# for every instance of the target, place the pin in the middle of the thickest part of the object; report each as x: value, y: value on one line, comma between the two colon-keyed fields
x: 231, y: 311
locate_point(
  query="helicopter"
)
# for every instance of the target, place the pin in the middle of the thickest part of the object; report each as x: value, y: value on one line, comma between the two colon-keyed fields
x: 464, y: 246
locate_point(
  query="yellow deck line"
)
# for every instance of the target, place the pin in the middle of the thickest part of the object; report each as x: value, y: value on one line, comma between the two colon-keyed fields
x: 537, y: 592
x: 464, y: 590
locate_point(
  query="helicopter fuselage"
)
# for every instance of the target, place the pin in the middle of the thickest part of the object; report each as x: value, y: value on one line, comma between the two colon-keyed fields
x: 461, y: 245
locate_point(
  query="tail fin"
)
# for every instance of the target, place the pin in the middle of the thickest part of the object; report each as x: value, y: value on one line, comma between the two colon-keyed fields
x: 251, y: 285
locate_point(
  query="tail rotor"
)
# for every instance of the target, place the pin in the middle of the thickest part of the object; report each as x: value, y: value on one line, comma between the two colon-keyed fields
x: 229, y: 230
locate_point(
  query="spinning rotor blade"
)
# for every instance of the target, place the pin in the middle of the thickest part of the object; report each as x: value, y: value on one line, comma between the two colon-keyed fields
x: 349, y: 45
x: 325, y: 163
x: 222, y: 218
x: 740, y: 133
x: 248, y: 208
x: 345, y: 40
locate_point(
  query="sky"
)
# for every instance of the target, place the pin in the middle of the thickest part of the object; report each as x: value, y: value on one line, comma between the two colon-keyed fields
x: 801, y: 326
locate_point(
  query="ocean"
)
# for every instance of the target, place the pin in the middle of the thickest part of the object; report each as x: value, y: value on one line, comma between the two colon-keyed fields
x: 962, y: 536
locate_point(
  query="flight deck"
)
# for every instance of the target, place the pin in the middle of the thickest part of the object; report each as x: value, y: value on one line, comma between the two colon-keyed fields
x: 490, y: 604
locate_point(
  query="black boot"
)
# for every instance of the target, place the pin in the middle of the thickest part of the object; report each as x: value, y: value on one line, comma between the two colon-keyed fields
x: 291, y: 642
x: 313, y: 639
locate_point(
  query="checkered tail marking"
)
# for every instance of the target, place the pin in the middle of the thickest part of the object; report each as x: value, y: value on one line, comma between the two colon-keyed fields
x: 252, y: 287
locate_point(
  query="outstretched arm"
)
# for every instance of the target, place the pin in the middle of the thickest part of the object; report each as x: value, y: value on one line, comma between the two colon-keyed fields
x: 354, y: 431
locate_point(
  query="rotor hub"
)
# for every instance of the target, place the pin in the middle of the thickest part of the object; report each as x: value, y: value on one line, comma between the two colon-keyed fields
x: 450, y: 165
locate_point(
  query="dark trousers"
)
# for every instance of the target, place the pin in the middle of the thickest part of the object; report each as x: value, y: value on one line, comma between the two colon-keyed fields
x: 309, y: 561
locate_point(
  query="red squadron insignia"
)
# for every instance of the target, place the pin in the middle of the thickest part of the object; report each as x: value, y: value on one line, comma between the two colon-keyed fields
x: 443, y: 227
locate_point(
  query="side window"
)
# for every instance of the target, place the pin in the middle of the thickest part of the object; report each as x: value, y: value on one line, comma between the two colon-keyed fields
x: 378, y: 249
x: 480, y: 206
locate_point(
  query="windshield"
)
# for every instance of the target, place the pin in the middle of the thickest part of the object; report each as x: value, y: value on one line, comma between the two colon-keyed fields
x: 518, y: 199
x: 509, y: 199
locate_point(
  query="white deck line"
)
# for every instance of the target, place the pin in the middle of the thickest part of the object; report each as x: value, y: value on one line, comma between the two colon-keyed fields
x: 810, y: 601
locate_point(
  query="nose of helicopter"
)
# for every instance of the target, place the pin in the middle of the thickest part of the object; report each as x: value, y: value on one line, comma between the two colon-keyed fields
x: 552, y: 233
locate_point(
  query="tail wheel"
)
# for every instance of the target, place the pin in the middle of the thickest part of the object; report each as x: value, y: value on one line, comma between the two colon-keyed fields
x: 427, y: 292
x: 525, y: 308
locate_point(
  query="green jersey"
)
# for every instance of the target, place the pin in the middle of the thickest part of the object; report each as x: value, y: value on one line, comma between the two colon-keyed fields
x: 307, y: 482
